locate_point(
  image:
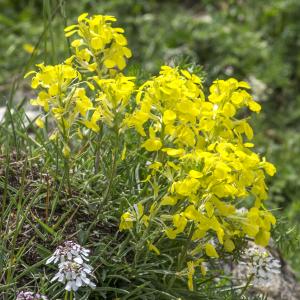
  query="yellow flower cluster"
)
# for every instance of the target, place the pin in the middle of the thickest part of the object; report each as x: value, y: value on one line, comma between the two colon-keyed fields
x: 113, y: 96
x: 99, y: 48
x: 99, y: 44
x: 58, y: 94
x: 203, y: 150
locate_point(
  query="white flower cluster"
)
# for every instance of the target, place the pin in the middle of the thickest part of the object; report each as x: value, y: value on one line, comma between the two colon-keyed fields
x: 261, y: 264
x: 30, y: 296
x: 73, y: 271
x: 75, y: 275
x: 69, y: 251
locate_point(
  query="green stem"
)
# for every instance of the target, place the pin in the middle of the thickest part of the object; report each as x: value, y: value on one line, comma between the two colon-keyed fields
x: 246, y: 286
x: 97, y: 151
x: 114, y: 165
x: 143, y: 239
x: 182, y: 254
x: 66, y: 295
x: 111, y: 177
x: 67, y: 174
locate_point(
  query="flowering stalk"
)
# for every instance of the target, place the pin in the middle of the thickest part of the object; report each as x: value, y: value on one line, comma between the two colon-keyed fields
x: 113, y: 165
x: 99, y: 55
x: 245, y: 288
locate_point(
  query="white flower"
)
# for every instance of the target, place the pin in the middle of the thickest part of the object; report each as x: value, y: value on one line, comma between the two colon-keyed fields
x: 73, y: 271
x: 30, y: 296
x: 69, y: 251
x: 261, y: 264
x: 74, y: 275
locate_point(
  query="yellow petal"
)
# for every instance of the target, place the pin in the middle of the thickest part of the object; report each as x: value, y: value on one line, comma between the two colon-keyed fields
x: 28, y: 48
x: 40, y: 123
x: 254, y: 106
x: 229, y: 245
x: 71, y: 27
x: 152, y: 144
x: 153, y: 248
x: 169, y: 116
x: 126, y: 221
x: 244, y: 84
x: 195, y: 174
x: 186, y: 74
x: 66, y: 151
x: 82, y: 17
x: 173, y: 152
x: 248, y: 131
x: 29, y: 73
x: 97, y: 43
x: 192, y: 213
x: 269, y: 168
x: 262, y: 238
x: 70, y: 33
x: 211, y: 251
x: 170, y: 233
x: 168, y: 200
x: 109, y: 63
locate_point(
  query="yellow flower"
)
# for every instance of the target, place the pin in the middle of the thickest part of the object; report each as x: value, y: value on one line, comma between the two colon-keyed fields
x: 191, y: 272
x: 66, y: 151
x: 269, y: 168
x: 28, y: 48
x: 126, y: 221
x: 254, y: 106
x: 93, y: 122
x: 39, y: 122
x: 83, y: 103
x: 113, y: 96
x: 153, y: 143
x: 195, y: 174
x: 173, y: 152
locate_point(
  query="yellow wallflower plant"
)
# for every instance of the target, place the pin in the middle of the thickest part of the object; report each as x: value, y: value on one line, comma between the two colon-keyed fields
x: 205, y: 183
x: 88, y: 89
x: 216, y: 168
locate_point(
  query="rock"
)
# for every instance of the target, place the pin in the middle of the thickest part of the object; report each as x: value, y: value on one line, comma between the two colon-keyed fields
x: 2, y: 113
x: 31, y: 115
x: 271, y: 275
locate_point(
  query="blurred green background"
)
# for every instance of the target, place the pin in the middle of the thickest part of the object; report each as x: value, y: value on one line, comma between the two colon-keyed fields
x: 252, y: 40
